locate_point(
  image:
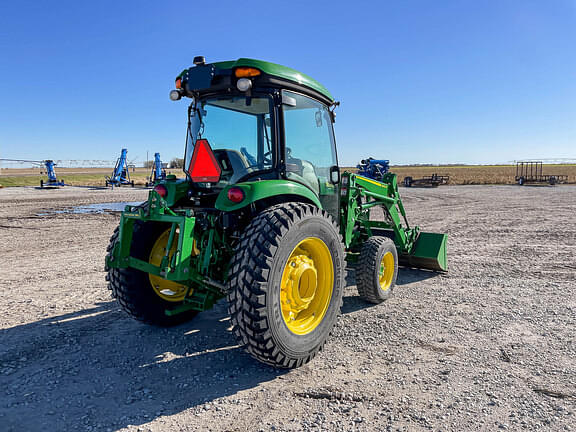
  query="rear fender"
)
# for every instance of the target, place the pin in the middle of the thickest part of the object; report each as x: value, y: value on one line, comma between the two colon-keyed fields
x: 265, y: 189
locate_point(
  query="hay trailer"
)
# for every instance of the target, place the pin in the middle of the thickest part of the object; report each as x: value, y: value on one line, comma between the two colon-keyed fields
x: 263, y: 217
x: 531, y: 172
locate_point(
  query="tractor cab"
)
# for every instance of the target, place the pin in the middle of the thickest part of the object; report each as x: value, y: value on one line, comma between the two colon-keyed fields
x: 246, y: 125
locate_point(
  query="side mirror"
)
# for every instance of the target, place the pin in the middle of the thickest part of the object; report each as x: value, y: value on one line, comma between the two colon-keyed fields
x: 335, y: 174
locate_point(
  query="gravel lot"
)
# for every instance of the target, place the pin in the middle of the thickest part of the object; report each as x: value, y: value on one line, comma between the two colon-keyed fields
x: 487, y: 346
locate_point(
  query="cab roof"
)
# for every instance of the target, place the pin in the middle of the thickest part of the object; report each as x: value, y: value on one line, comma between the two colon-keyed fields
x: 275, y: 74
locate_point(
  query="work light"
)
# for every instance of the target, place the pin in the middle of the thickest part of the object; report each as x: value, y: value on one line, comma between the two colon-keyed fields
x: 244, y: 84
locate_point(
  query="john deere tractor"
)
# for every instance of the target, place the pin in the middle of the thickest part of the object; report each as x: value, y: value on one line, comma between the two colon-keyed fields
x: 262, y: 217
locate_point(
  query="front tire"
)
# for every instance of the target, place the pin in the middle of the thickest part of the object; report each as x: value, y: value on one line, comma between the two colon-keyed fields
x: 377, y: 269
x: 143, y: 296
x: 286, y: 283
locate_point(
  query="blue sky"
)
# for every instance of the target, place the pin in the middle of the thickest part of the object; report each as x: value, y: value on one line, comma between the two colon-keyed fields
x: 420, y: 81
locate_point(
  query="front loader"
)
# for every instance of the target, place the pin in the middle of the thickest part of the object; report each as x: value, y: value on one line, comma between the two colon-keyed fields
x: 262, y: 217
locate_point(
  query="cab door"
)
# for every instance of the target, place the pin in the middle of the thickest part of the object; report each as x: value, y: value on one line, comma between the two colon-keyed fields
x: 310, y: 148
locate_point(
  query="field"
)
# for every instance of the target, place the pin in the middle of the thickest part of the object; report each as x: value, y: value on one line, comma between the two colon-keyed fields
x: 487, y: 346
x: 459, y: 175
x: 72, y: 176
x: 477, y: 174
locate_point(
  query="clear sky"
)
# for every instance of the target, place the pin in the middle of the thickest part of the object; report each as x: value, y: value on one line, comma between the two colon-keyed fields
x: 419, y: 81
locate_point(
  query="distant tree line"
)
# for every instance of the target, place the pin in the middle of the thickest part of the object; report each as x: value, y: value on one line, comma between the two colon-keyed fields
x: 177, y: 163
x: 174, y: 163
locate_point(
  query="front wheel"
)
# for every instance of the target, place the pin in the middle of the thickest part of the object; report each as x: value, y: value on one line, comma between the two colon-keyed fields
x: 377, y: 269
x: 286, y: 283
x: 144, y: 296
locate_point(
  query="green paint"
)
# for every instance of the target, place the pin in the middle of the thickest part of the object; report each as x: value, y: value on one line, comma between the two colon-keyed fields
x: 430, y: 252
x: 259, y: 190
x: 423, y: 250
x: 275, y: 70
x: 204, y: 250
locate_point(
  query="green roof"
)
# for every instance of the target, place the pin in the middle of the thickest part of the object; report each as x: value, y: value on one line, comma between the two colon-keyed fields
x: 277, y: 70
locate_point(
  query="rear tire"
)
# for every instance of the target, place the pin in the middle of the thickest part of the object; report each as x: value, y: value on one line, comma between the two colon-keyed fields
x: 132, y: 288
x: 377, y: 269
x: 286, y: 281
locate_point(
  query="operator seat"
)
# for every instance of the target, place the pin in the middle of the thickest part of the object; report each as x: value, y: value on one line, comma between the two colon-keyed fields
x: 232, y: 162
x: 302, y: 171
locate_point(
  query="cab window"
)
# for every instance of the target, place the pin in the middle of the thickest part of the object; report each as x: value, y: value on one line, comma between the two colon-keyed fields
x: 309, y: 138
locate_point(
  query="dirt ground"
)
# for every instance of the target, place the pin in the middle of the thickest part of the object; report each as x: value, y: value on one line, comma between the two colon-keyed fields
x: 488, y: 346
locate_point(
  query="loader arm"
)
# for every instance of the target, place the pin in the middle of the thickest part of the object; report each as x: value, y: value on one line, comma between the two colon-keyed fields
x: 359, y: 194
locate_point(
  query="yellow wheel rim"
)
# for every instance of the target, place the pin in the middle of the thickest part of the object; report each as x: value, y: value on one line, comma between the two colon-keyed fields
x: 306, y: 286
x: 165, y: 289
x: 386, y: 271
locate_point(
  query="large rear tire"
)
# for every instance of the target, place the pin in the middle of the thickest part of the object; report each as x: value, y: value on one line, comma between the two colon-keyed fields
x: 143, y: 296
x: 377, y: 269
x: 286, y: 283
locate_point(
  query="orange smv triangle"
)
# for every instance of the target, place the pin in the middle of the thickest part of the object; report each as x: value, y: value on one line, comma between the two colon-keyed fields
x: 204, y: 168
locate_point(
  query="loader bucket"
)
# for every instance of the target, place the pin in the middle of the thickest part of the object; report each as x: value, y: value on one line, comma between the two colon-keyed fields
x: 429, y: 252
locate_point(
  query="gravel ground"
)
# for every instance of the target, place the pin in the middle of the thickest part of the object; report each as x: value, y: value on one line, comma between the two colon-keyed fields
x: 487, y: 346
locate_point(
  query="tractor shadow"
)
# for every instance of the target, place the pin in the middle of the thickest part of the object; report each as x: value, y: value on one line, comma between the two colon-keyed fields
x: 99, y: 369
x: 406, y: 276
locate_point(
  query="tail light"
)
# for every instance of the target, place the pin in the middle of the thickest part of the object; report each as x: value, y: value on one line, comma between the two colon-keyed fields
x: 161, y: 190
x: 236, y: 194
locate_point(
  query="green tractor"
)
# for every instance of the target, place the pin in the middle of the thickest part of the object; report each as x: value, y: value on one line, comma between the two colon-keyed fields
x: 263, y: 217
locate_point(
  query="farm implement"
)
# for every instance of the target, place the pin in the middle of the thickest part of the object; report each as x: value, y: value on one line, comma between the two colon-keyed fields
x: 433, y: 180
x: 373, y: 168
x: 158, y: 172
x: 531, y: 172
x: 121, y: 174
x: 263, y: 217
x: 53, y: 181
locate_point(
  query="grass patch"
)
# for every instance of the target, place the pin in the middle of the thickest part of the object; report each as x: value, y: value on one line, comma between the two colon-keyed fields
x: 72, y: 180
